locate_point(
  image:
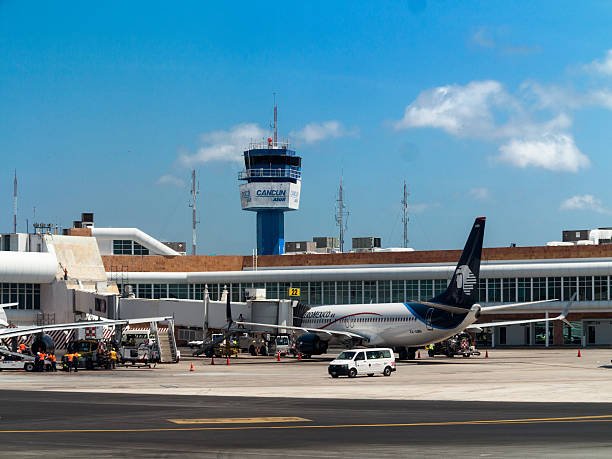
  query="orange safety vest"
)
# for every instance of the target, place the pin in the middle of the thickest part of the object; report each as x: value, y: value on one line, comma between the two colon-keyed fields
x: 69, y: 357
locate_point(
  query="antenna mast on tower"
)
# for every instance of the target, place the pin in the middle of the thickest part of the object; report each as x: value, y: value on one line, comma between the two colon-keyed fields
x: 275, y: 123
x: 405, y: 215
x: 15, y: 203
x: 194, y: 221
x: 341, y: 215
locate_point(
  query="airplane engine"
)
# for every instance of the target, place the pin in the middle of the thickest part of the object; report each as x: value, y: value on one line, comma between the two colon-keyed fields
x: 43, y: 343
x: 311, y: 344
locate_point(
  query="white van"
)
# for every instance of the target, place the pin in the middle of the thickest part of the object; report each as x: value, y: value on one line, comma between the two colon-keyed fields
x: 363, y: 362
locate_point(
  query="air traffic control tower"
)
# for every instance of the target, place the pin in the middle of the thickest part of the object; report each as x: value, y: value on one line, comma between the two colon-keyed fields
x: 273, y: 179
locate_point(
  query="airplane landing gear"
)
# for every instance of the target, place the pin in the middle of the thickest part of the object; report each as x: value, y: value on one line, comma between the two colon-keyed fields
x: 406, y: 353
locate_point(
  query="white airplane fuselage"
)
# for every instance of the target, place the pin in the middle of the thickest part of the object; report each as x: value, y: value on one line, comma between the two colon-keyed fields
x: 409, y: 324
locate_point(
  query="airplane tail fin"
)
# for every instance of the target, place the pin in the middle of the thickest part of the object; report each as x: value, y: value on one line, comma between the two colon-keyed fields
x: 462, y: 291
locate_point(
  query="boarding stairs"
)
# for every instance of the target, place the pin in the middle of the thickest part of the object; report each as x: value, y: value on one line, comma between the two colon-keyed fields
x: 167, y: 344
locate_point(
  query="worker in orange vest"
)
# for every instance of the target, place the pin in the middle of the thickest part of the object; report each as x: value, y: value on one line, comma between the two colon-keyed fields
x: 53, y: 362
x: 22, y: 348
x: 75, y: 361
x: 68, y: 361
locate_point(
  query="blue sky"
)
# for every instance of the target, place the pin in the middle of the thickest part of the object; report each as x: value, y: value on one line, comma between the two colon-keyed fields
x: 485, y: 108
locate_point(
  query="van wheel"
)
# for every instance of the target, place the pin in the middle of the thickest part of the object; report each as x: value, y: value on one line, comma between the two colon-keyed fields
x: 352, y: 373
x: 387, y: 371
x: 29, y: 366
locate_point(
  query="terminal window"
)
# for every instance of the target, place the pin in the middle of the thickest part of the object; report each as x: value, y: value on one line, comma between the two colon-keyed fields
x: 27, y: 295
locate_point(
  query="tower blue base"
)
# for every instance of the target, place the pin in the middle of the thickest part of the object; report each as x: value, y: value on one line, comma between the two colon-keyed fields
x: 270, y: 232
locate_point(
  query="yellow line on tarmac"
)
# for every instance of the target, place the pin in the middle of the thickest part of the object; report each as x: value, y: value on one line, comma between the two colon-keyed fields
x: 577, y: 419
x: 263, y: 420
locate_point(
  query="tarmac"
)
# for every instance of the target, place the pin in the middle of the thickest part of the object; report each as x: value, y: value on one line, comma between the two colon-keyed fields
x: 508, y: 375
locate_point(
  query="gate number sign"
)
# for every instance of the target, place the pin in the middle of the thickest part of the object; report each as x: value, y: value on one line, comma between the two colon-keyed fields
x: 294, y: 292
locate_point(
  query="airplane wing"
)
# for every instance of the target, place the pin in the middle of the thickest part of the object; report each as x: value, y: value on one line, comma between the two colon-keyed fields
x: 562, y: 316
x: 306, y: 329
x: 498, y: 307
x: 20, y: 331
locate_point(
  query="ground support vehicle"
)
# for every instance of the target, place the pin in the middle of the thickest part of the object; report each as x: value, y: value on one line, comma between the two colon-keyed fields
x: 460, y: 344
x: 363, y: 362
x: 138, y: 348
x: 16, y: 361
x: 93, y: 354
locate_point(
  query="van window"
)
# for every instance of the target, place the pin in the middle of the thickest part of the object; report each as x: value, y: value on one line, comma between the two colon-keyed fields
x: 360, y: 356
x: 346, y: 355
x: 386, y: 353
x: 373, y: 355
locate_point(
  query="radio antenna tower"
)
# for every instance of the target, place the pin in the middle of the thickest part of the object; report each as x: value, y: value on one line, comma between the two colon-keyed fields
x: 405, y: 214
x: 15, y: 203
x: 341, y: 215
x: 195, y: 190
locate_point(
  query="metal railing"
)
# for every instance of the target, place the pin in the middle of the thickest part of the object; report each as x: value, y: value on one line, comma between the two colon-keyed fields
x: 266, y: 145
x: 270, y: 173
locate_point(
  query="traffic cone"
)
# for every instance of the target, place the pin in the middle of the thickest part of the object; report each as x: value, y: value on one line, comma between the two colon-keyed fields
x: 579, y: 355
x: 299, y: 356
x: 418, y: 354
x: 278, y: 356
x: 191, y: 368
x: 212, y: 360
x: 486, y: 354
x: 227, y: 361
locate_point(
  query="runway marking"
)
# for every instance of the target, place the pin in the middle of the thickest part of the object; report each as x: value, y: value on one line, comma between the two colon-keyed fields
x: 262, y: 420
x: 569, y: 419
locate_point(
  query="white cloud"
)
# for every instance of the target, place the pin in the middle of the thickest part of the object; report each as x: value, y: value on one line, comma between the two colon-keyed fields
x: 564, y: 98
x: 224, y: 145
x: 316, y: 132
x: 481, y: 194
x: 229, y: 145
x: 555, y: 152
x: 482, y: 37
x: 601, y: 66
x: 531, y: 127
x: 584, y: 202
x: 465, y: 111
x: 170, y: 180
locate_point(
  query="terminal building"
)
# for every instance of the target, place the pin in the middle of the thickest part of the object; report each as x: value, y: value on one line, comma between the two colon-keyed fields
x: 60, y: 278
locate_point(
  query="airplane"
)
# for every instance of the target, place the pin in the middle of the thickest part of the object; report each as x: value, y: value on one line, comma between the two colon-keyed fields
x: 410, y: 325
x: 45, y: 342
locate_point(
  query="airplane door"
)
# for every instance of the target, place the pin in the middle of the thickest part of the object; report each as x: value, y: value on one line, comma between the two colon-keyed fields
x: 428, y: 319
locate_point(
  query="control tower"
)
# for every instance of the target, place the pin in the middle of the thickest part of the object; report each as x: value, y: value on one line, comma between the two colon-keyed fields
x: 273, y: 179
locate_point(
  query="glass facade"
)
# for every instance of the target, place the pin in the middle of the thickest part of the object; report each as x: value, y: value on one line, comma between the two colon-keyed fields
x: 27, y: 295
x: 494, y: 290
x: 128, y: 247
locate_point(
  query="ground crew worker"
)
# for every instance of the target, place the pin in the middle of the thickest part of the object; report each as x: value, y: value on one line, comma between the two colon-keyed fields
x: 75, y: 361
x: 53, y: 362
x: 113, y: 358
x: 68, y: 358
x: 22, y: 348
